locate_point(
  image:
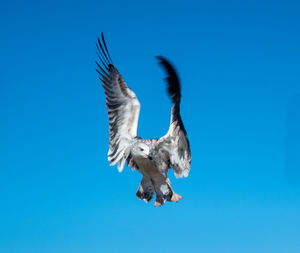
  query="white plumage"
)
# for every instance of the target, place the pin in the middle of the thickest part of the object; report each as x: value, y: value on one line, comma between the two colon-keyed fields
x: 151, y: 157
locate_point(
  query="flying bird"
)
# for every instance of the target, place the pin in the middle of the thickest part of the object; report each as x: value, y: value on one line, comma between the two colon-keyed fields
x: 151, y: 157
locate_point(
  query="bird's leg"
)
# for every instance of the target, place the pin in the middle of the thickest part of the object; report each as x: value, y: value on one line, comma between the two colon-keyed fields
x: 159, y: 200
x: 145, y: 190
x: 164, y: 191
x: 161, y: 189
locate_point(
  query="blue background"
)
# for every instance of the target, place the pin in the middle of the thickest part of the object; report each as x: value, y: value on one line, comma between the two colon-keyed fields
x: 239, y: 66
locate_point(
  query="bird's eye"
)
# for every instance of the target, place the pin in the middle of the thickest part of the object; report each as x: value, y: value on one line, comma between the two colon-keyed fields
x: 142, y: 149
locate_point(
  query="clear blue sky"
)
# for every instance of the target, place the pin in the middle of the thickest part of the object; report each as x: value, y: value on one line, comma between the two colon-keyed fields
x: 239, y: 66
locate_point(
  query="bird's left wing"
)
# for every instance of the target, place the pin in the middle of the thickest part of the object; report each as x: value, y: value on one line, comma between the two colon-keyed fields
x: 122, y: 105
x: 175, y: 143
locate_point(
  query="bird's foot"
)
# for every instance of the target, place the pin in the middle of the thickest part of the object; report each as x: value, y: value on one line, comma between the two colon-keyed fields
x: 175, y: 197
x: 159, y: 201
x: 157, y: 204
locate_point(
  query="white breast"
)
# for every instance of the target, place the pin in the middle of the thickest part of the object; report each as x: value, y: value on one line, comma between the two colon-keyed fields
x: 148, y: 168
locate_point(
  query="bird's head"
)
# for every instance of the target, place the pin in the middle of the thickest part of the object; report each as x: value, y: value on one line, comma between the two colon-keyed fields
x: 141, y: 150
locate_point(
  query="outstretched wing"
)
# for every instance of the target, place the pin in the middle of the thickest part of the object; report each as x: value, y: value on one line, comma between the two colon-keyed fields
x: 176, y: 142
x: 122, y: 105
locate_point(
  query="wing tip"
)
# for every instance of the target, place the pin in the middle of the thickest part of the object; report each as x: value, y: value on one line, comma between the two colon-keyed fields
x: 162, y: 60
x: 173, y: 88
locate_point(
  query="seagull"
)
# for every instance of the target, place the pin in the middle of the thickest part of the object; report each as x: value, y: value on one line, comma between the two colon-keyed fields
x: 151, y: 157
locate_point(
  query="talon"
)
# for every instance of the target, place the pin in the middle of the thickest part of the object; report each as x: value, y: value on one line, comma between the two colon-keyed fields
x: 157, y: 204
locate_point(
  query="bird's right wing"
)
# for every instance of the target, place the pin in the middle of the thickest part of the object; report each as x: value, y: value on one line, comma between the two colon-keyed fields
x: 122, y: 105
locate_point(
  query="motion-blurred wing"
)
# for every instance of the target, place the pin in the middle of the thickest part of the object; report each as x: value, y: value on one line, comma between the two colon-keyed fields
x: 122, y: 106
x: 176, y: 142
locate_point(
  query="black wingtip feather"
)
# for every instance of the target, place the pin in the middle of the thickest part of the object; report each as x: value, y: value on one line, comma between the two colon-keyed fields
x: 105, y: 66
x: 103, y: 40
x: 102, y: 52
x: 174, y: 88
x: 103, y: 63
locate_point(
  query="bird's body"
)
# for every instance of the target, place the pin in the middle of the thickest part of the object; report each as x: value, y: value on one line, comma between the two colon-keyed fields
x: 151, y: 157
